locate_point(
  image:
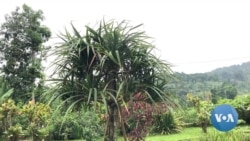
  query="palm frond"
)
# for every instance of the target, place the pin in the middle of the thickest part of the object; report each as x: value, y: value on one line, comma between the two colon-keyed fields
x: 113, y: 61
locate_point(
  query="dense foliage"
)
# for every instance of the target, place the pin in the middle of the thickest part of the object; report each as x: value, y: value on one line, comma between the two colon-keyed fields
x: 35, y: 123
x: 21, y: 46
x: 203, y: 109
x: 241, y: 104
x: 77, y: 125
x: 236, y: 76
x: 139, y: 116
x: 226, y: 90
x: 108, y: 64
x: 167, y: 123
x: 107, y: 81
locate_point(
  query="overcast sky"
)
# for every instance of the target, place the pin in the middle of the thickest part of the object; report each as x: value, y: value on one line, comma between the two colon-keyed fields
x: 193, y: 35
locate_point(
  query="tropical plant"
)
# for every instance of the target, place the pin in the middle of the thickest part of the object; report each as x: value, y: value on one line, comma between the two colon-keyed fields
x: 190, y: 118
x: 91, y: 127
x: 108, y: 64
x: 69, y: 130
x: 4, y: 96
x: 5, y: 93
x: 167, y: 123
x: 203, y: 109
x: 7, y: 111
x: 76, y: 125
x: 138, y: 116
x: 37, y: 115
x: 14, y: 132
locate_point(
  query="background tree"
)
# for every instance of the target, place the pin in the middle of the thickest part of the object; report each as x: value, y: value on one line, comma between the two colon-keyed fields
x: 109, y: 64
x: 21, y: 43
x: 226, y: 90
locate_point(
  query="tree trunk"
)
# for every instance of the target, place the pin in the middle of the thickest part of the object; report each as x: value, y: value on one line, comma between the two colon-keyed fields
x: 110, y: 78
x: 111, y: 123
x: 123, y: 127
x: 204, y: 126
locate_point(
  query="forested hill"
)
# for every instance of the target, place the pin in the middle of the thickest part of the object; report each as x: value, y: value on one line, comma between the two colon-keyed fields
x: 236, y: 75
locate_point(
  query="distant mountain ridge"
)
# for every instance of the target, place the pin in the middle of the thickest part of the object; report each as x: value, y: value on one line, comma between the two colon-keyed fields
x: 237, y: 72
x: 238, y: 75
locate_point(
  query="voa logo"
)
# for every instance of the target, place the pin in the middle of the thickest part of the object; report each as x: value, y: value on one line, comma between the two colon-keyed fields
x: 224, y: 117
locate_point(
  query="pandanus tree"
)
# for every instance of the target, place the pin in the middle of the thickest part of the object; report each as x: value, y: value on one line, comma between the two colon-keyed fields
x: 108, y: 64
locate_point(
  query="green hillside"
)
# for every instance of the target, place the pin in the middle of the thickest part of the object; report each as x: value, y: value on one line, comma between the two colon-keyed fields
x: 200, y: 83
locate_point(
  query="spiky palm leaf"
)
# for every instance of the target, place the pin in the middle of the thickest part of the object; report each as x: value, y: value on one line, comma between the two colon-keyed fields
x: 108, y: 64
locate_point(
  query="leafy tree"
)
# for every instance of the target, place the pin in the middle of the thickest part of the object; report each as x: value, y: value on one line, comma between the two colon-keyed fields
x: 226, y: 90
x: 230, y: 91
x: 21, y: 43
x: 202, y: 108
x: 108, y: 64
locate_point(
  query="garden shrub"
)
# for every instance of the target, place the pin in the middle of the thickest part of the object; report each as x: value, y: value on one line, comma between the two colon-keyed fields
x: 138, y: 115
x: 38, y: 115
x: 166, y: 123
x: 65, y: 127
x: 29, y: 120
x: 76, y: 125
x: 9, y: 130
x: 189, y: 117
x: 91, y: 127
x: 242, y: 106
x: 13, y: 133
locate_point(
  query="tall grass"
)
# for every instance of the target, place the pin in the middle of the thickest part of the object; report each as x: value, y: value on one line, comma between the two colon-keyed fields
x: 235, y: 135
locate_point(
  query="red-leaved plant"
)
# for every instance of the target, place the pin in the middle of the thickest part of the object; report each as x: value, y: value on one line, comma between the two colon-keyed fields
x: 138, y: 116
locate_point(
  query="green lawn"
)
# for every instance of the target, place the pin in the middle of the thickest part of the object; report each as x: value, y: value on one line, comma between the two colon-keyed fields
x: 189, y: 134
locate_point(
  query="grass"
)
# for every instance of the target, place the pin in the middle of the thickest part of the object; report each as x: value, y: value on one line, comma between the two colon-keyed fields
x: 193, y: 134
x: 189, y: 134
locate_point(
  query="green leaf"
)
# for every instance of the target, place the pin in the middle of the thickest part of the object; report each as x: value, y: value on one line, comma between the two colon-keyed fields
x: 6, y: 95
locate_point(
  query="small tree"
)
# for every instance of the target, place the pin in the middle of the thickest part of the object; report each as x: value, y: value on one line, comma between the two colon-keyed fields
x: 203, y: 109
